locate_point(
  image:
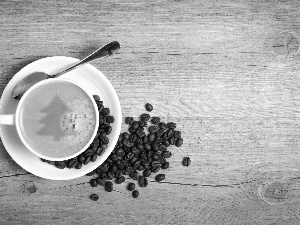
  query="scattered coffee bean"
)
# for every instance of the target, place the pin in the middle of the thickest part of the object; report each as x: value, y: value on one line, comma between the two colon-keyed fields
x: 131, y: 186
x: 160, y: 177
x: 135, y: 194
x: 179, y: 142
x: 94, y: 197
x: 109, y: 186
x: 149, y: 107
x: 142, y: 181
x: 165, y: 165
x: 93, y: 183
x: 186, y: 161
x: 129, y: 120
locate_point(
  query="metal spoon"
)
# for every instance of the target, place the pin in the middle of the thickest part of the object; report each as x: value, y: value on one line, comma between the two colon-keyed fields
x: 23, y: 85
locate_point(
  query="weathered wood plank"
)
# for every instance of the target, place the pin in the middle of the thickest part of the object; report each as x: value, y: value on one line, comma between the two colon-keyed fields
x: 225, y: 71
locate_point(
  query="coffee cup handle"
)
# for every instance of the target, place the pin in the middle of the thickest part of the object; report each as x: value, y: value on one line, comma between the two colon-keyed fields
x: 7, y: 119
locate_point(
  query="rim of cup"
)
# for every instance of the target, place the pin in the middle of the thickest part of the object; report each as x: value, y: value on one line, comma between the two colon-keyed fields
x: 19, y: 107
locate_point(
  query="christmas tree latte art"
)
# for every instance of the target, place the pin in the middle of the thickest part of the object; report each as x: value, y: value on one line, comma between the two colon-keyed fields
x: 58, y: 119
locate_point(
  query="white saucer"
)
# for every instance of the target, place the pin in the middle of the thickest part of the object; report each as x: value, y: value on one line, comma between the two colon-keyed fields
x: 90, y: 78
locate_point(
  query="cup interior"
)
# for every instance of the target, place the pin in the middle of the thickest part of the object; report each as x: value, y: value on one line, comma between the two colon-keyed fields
x: 66, y: 123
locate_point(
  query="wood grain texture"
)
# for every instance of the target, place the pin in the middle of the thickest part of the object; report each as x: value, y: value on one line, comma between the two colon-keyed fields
x: 227, y: 72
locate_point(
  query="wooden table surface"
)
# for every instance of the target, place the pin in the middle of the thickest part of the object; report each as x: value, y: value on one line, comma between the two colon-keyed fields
x: 227, y: 72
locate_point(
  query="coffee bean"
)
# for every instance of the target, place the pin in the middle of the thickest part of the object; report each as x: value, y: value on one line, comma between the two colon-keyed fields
x: 110, y: 175
x: 104, y: 146
x: 149, y: 107
x: 154, y: 146
x: 129, y: 120
x: 110, y: 119
x: 137, y: 151
x: 91, y: 173
x: 165, y: 165
x: 156, y: 163
x: 94, y: 157
x: 127, y: 143
x: 155, y: 169
x: 147, y: 147
x: 145, y: 139
x: 105, y: 140
x: 119, y: 173
x: 167, y: 154
x: 155, y: 120
x: 113, y: 168
x: 100, y: 181
x: 186, y: 161
x: 135, y: 194
x: 142, y: 181
x: 147, y: 173
x: 170, y: 132
x: 143, y: 123
x: 101, y: 120
x: 94, y: 197
x: 136, y: 164
x: 134, y: 175
x: 109, y: 186
x: 60, y: 164
x: 171, y: 125
x: 135, y: 125
x: 166, y: 142
x: 163, y: 126
x: 120, y: 152
x: 153, y: 129
x: 88, y: 152
x: 131, y: 130
x: 125, y: 136
x: 140, y: 146
x: 96, y: 97
x: 93, y: 183
x: 149, y: 154
x: 79, y: 165
x: 105, y: 112
x: 151, y: 137
x: 120, y: 180
x: 108, y: 161
x: 108, y: 130
x: 139, y: 130
x: 145, y: 117
x: 160, y: 177
x: 100, y: 151
x: 155, y: 156
x: 159, y: 133
x: 179, y: 142
x: 140, y: 167
x: 172, y: 140
x: 133, y: 160
x: 143, y: 155
x: 131, y: 186
x: 72, y: 163
x: 87, y: 160
x: 177, y: 134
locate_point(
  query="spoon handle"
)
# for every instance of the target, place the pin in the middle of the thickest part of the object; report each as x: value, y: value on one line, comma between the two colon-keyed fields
x: 107, y: 50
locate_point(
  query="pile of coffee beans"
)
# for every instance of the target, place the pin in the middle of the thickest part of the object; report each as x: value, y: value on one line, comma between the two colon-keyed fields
x: 97, y: 147
x: 140, y: 152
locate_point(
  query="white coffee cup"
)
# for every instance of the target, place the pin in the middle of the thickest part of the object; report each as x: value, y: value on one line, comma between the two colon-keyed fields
x: 14, y: 119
